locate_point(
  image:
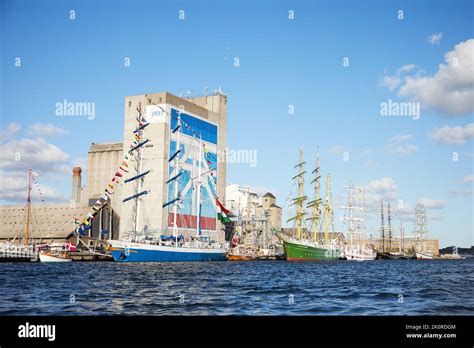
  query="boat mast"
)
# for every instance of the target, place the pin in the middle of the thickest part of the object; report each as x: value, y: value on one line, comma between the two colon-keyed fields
x: 401, y: 236
x: 316, y: 199
x: 139, y: 170
x: 383, y: 226
x: 389, y: 229
x: 300, y: 193
x: 298, y: 201
x: 351, y: 218
x: 28, y: 202
x: 420, y: 224
x: 198, y: 223
x: 176, y: 165
x: 326, y: 217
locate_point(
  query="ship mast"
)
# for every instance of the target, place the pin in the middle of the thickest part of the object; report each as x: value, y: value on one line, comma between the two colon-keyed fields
x: 420, y: 230
x: 383, y: 226
x: 326, y: 217
x: 355, y: 201
x: 300, y: 193
x: 401, y: 236
x: 176, y: 194
x: 139, y: 170
x: 298, y: 201
x: 198, y: 223
x: 28, y: 202
x: 315, y: 203
x: 389, y: 229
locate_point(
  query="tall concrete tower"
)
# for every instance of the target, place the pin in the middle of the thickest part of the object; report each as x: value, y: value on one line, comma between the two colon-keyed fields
x: 202, y: 117
x: 76, y: 184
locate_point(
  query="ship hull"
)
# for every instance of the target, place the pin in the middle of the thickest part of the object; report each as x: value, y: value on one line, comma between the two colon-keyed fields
x: 137, y: 252
x: 391, y: 256
x: 53, y: 258
x: 424, y: 256
x: 302, y: 252
x: 356, y: 255
x: 241, y: 258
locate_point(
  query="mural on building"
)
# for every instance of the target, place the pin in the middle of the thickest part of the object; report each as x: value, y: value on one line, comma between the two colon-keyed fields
x: 191, y: 130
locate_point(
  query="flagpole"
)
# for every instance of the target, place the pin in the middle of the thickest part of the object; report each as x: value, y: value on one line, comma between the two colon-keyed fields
x: 175, y: 208
x: 198, y: 226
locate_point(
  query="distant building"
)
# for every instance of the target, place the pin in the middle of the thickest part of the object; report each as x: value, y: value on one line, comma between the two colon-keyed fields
x: 268, y: 204
x: 242, y: 201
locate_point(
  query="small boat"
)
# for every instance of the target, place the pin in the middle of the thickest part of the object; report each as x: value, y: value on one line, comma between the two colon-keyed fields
x: 454, y: 256
x: 424, y: 255
x: 22, y: 252
x: 46, y: 256
x: 242, y: 253
x: 366, y: 254
x: 56, y: 252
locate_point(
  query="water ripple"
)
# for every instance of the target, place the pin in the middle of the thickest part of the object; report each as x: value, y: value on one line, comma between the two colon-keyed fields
x: 238, y: 288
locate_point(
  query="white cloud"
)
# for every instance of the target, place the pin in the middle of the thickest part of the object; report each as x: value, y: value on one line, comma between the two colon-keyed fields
x: 430, y: 203
x: 13, y: 188
x: 405, y: 69
x: 453, y: 135
x: 451, y: 90
x: 10, y: 132
x: 45, y: 130
x: 380, y: 186
x: 398, y: 149
x: 435, y: 38
x: 401, y: 138
x: 460, y: 192
x: 402, y: 150
x: 467, y: 179
x: 19, y: 155
x: 336, y: 150
x: 378, y: 190
x: 391, y: 82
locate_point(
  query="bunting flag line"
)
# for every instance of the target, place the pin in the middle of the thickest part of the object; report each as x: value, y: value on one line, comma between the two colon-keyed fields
x: 109, y: 190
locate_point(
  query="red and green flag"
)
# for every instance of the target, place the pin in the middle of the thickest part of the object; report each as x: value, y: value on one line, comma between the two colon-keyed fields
x: 222, y: 212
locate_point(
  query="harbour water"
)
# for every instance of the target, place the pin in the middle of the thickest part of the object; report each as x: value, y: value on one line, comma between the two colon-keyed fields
x: 405, y: 287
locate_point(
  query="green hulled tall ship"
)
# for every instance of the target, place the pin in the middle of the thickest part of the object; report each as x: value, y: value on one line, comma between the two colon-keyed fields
x: 301, y: 247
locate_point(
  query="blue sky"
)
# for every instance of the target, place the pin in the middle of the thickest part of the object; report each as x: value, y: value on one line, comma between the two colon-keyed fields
x: 283, y: 62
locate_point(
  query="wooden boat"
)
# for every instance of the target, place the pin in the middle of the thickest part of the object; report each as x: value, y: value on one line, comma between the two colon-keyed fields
x: 424, y: 255
x: 22, y: 252
x: 46, y: 256
x: 242, y: 253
